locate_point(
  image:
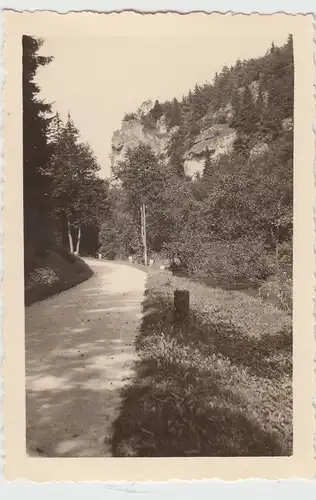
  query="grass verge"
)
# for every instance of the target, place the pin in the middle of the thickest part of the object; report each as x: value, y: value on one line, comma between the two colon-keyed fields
x: 223, y: 389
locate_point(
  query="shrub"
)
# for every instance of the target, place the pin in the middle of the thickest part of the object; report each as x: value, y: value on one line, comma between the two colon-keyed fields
x: 225, y: 260
x: 278, y: 290
x: 286, y: 256
x: 43, y: 276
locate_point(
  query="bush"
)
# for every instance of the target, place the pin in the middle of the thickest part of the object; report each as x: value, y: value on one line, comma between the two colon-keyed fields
x: 278, y: 290
x: 286, y: 257
x: 223, y: 260
x: 43, y: 276
x: 236, y: 260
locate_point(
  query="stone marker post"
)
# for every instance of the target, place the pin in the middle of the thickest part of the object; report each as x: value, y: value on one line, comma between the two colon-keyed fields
x: 181, y: 311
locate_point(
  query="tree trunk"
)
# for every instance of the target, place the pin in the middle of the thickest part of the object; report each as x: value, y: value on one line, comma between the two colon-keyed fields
x: 145, y: 237
x: 78, y: 240
x: 71, y: 245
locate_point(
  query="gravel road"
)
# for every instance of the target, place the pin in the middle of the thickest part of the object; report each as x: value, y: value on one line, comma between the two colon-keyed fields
x: 79, y: 355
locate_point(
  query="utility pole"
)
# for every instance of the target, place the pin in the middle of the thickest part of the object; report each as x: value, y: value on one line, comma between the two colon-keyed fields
x: 143, y: 230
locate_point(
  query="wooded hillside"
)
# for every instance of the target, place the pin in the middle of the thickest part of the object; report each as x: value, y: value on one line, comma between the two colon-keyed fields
x: 233, y: 220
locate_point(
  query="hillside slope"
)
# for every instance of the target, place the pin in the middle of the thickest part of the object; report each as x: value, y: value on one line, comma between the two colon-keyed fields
x: 53, y: 272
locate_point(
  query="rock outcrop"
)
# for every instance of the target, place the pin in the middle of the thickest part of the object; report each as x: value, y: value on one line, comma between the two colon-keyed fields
x: 133, y: 132
x: 216, y: 137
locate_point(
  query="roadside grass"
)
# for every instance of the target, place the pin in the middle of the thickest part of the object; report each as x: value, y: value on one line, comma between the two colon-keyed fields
x: 53, y: 273
x: 223, y: 389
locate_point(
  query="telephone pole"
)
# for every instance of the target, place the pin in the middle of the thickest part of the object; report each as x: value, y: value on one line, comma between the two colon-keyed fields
x: 143, y: 230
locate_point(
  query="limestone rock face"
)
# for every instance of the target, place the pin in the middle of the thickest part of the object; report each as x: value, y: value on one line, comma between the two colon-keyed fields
x: 215, y: 138
x: 193, y: 167
x: 133, y: 132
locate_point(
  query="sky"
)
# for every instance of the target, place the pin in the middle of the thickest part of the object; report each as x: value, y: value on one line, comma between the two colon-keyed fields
x: 98, y: 78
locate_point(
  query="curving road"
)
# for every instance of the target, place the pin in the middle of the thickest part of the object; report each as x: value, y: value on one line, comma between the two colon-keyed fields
x: 79, y: 355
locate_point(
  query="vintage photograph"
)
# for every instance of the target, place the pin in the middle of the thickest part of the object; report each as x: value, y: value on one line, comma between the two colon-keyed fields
x: 158, y: 235
x: 158, y: 255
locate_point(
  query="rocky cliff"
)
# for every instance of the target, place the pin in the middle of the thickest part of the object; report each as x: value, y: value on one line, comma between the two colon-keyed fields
x: 213, y: 139
x: 132, y: 132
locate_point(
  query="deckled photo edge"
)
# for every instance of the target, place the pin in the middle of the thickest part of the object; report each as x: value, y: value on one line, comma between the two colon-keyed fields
x: 17, y: 465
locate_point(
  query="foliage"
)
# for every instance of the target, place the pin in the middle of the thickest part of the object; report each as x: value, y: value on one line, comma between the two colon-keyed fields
x: 43, y: 275
x: 36, y: 153
x: 142, y: 179
x: 278, y: 290
x: 157, y: 111
x: 232, y: 220
x: 129, y: 117
x: 140, y: 174
x: 78, y: 194
x: 172, y: 113
x: 119, y: 234
x: 35, y: 124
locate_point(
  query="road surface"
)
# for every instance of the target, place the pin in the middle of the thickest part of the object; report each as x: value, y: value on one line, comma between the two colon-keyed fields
x: 79, y: 355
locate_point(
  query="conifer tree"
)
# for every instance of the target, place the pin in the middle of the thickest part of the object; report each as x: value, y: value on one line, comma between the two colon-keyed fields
x: 157, y: 111
x: 208, y: 167
x: 36, y: 152
x: 176, y: 113
x: 78, y: 195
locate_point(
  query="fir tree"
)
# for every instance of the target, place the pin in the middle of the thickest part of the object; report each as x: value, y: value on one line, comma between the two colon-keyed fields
x: 176, y: 113
x: 36, y: 151
x: 157, y: 111
x: 208, y: 167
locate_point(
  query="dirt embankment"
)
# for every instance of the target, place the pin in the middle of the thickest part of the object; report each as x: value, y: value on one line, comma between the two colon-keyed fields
x: 52, y: 273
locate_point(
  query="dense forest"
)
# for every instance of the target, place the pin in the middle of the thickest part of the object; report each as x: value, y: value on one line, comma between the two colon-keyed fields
x: 233, y: 220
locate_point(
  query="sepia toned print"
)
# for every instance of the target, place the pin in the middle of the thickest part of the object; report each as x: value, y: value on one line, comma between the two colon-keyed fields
x: 157, y: 183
